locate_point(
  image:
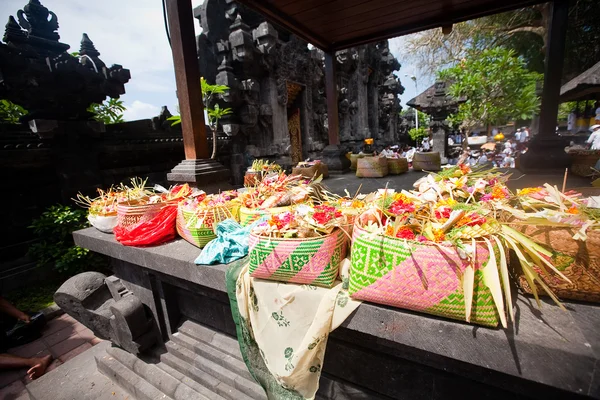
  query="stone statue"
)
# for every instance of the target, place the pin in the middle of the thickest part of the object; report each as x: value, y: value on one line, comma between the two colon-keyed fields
x: 107, y: 308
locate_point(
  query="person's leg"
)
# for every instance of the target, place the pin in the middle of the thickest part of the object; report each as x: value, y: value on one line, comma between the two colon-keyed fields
x: 37, y: 365
x: 11, y: 310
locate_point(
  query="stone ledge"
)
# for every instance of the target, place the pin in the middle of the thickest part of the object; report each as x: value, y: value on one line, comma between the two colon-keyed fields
x: 553, y: 348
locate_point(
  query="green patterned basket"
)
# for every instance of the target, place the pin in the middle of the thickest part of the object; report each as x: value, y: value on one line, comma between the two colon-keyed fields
x: 249, y: 215
x: 197, y: 227
x: 312, y: 261
x: 418, y: 276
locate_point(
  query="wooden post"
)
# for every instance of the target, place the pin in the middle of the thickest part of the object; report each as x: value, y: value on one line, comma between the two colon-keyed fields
x: 332, y: 101
x: 187, y: 78
x: 555, y: 53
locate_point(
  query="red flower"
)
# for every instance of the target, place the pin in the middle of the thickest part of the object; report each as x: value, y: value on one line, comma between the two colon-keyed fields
x: 405, y: 233
x: 400, y: 207
x: 443, y: 213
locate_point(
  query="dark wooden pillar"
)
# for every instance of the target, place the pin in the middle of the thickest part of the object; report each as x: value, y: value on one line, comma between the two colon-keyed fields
x: 332, y: 101
x: 546, y: 149
x: 555, y: 54
x: 187, y: 78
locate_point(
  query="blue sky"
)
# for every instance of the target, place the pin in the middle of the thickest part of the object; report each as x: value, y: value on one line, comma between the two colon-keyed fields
x: 131, y: 33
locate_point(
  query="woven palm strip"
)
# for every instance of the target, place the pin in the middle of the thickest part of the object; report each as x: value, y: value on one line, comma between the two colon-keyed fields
x: 312, y: 261
x: 252, y: 179
x: 248, y: 215
x: 577, y: 260
x: 354, y: 160
x: 372, y: 167
x: 131, y: 213
x: 397, y: 166
x: 427, y: 161
x: 584, y: 161
x: 419, y: 277
x: 198, y: 227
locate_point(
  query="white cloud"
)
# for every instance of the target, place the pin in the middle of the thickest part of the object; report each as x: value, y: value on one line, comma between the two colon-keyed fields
x: 140, y: 110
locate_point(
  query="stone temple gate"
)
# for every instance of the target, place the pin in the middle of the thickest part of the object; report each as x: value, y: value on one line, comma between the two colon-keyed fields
x: 277, y: 89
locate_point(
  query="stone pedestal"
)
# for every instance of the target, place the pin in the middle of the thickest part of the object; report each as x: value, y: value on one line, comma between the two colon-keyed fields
x: 335, y: 159
x: 439, y: 144
x: 208, y: 175
x: 545, y: 154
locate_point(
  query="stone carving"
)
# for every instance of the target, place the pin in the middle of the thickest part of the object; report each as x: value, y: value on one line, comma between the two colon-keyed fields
x: 258, y: 61
x: 111, y: 311
x: 38, y: 73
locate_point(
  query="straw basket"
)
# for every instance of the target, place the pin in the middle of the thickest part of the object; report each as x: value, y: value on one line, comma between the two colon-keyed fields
x: 354, y: 159
x: 397, y: 166
x: 252, y: 178
x: 577, y: 260
x: 307, y: 172
x: 132, y: 212
x: 197, y: 227
x: 248, y: 215
x: 313, y: 261
x: 104, y: 223
x: 418, y: 276
x: 372, y: 167
x: 426, y: 161
x: 584, y: 161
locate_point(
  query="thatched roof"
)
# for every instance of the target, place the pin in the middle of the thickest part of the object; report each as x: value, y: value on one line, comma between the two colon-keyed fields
x: 583, y: 87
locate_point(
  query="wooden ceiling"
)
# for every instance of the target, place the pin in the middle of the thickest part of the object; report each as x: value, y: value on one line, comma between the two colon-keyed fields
x: 337, y: 24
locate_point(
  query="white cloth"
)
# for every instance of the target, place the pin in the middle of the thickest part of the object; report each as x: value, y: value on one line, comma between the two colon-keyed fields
x: 524, y: 136
x: 594, y: 139
x: 507, y: 145
x: 425, y: 144
x: 291, y: 324
x: 518, y: 136
x: 482, y: 160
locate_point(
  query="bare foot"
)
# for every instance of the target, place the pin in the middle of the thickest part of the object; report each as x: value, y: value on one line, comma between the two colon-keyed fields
x: 40, y: 367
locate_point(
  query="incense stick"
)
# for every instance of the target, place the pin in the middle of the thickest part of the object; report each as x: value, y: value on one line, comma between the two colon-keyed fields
x: 565, y: 180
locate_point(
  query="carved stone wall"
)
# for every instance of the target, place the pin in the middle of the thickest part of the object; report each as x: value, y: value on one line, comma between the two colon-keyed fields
x: 238, y: 48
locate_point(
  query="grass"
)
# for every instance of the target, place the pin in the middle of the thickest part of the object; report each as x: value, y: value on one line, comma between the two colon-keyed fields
x: 34, y: 298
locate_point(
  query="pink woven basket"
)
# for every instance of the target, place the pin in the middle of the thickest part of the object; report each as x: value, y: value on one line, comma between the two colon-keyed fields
x: 132, y: 212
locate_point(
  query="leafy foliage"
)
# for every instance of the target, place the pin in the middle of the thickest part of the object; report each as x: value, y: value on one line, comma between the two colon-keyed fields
x: 409, y: 114
x: 34, y: 298
x: 418, y: 134
x: 11, y: 112
x: 109, y: 112
x: 213, y: 110
x: 496, y: 85
x: 54, y: 228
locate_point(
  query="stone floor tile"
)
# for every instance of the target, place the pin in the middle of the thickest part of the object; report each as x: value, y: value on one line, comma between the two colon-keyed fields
x: 75, y: 352
x: 55, y: 364
x: 29, y: 349
x: 86, y: 334
x: 9, y: 376
x: 59, y: 336
x: 66, y: 345
x: 13, y: 391
x: 55, y: 325
x: 79, y: 326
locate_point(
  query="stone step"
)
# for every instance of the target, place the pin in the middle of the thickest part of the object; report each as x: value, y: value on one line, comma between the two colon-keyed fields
x: 225, y: 369
x: 158, y: 377
x: 131, y: 382
x: 215, y: 339
x: 204, y: 391
x: 209, y: 352
x: 210, y: 375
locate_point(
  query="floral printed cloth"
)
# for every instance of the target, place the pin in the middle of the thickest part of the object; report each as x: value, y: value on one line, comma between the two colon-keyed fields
x: 283, y: 329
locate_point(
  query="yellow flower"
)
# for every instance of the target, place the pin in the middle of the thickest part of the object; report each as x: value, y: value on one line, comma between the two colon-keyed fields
x: 438, y: 235
x: 529, y: 190
x: 573, y: 210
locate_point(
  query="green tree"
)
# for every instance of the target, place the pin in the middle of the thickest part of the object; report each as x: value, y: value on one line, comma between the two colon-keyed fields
x: 210, y: 93
x: 409, y: 114
x: 11, y: 112
x: 497, y: 88
x: 109, y: 112
x: 418, y: 134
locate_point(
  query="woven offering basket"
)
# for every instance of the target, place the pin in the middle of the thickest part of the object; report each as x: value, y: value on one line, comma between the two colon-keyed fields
x: 354, y: 160
x: 372, y: 167
x: 132, y: 212
x: 310, y: 261
x: 198, y: 227
x: 252, y: 178
x: 577, y: 260
x: 104, y: 223
x: 417, y: 276
x: 306, y: 172
x: 427, y: 161
x: 248, y: 215
x: 397, y: 166
x: 583, y: 161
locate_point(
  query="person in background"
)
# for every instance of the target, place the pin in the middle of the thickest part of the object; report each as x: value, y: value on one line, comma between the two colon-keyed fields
x: 508, y: 144
x: 509, y: 161
x: 594, y: 140
x: 525, y: 135
x: 425, y: 144
x: 387, y: 152
x: 572, y: 120
x: 483, y: 159
x: 597, y: 112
